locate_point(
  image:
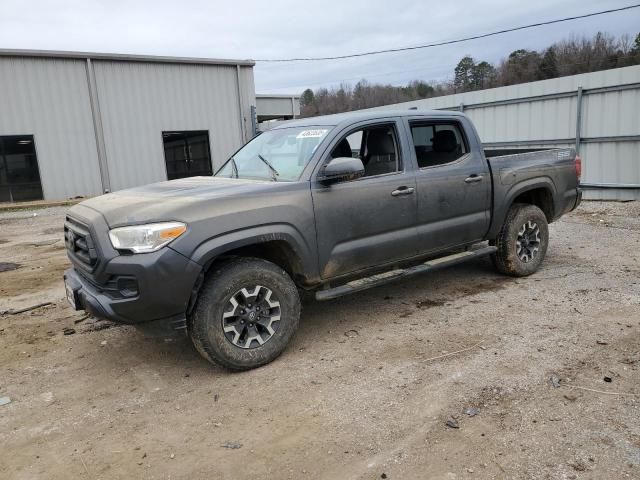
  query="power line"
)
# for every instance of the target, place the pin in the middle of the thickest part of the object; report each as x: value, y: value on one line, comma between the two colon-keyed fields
x: 449, y: 42
x: 431, y: 81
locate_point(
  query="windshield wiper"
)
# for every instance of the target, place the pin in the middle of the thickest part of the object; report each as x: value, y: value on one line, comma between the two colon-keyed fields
x: 273, y: 170
x: 234, y: 168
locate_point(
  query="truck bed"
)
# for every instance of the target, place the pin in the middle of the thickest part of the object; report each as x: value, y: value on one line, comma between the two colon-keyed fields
x: 554, y: 167
x: 516, y: 165
x: 496, y: 152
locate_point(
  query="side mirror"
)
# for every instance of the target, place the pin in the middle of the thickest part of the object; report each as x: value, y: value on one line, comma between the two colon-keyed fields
x: 341, y: 169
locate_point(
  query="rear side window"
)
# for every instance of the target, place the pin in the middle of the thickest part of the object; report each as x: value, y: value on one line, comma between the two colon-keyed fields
x: 437, y: 144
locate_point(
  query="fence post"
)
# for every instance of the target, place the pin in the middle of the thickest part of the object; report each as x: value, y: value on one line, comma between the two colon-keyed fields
x: 578, y: 118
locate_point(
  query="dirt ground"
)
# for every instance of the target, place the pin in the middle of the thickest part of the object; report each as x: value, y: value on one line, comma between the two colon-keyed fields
x: 366, y: 387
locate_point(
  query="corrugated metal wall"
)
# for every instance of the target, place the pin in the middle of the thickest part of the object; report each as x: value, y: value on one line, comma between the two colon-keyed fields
x: 138, y: 101
x: 248, y: 96
x: 278, y: 106
x: 544, y: 114
x: 49, y: 98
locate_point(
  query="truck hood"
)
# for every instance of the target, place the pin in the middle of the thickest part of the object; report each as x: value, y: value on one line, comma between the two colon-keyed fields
x: 171, y: 200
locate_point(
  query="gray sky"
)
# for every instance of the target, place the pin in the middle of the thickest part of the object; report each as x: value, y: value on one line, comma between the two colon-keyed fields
x: 284, y: 28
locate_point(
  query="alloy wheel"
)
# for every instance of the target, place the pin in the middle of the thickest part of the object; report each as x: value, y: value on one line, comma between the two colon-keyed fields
x: 528, y: 241
x: 251, y: 317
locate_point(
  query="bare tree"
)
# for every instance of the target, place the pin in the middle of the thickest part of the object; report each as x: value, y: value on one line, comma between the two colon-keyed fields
x: 568, y: 57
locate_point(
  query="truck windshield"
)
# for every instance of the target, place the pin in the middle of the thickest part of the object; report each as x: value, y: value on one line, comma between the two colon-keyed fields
x: 278, y: 155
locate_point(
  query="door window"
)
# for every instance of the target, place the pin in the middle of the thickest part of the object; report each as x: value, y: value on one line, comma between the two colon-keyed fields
x: 437, y: 144
x: 187, y: 154
x: 19, y: 175
x: 376, y: 146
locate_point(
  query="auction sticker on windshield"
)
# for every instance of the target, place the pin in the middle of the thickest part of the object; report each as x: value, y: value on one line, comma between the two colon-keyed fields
x: 312, y: 133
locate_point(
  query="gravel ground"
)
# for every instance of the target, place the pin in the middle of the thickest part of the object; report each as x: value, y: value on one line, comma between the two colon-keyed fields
x: 364, y: 391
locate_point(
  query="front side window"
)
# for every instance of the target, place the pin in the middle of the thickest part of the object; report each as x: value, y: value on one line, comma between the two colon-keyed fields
x: 376, y: 146
x: 278, y: 155
x: 437, y: 144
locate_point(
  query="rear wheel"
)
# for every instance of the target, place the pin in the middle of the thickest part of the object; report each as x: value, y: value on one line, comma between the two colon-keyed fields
x: 247, y: 311
x: 522, y: 241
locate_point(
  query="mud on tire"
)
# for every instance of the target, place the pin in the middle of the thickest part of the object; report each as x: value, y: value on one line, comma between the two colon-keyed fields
x: 247, y: 311
x: 522, y: 242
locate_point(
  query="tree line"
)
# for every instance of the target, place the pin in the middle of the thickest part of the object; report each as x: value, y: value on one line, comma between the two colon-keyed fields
x: 567, y: 57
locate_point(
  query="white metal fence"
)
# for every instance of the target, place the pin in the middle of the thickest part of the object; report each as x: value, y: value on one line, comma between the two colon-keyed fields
x: 596, y: 113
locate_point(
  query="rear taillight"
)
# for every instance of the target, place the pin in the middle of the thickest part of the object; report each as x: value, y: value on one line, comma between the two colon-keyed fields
x: 578, y: 167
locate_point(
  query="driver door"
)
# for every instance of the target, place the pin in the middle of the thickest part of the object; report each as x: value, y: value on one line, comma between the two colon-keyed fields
x: 369, y: 221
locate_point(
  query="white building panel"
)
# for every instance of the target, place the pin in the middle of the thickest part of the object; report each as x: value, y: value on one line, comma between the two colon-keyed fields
x: 519, y: 115
x: 138, y: 101
x: 278, y: 106
x: 49, y: 99
x: 97, y: 119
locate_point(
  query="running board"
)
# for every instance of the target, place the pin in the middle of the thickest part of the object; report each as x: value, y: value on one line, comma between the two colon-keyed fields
x: 390, y: 276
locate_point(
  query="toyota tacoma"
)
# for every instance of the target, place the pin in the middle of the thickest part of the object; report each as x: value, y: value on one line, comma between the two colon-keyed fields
x: 330, y: 205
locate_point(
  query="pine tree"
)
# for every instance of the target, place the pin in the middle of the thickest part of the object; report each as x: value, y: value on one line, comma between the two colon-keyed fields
x: 482, y: 75
x: 419, y: 89
x: 636, y: 46
x: 306, y: 98
x: 464, y: 74
x: 549, y: 65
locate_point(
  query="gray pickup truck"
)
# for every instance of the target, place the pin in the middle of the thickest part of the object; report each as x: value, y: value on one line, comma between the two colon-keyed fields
x: 330, y: 205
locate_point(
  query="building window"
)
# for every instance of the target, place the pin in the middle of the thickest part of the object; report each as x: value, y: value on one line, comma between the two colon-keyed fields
x: 19, y: 174
x: 187, y: 154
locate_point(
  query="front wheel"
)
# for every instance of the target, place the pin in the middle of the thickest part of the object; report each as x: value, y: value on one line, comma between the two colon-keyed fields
x: 247, y: 311
x: 522, y: 241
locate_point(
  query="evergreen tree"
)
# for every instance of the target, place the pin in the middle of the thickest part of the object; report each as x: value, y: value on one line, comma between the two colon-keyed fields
x: 549, y: 65
x: 636, y: 46
x: 306, y: 98
x: 464, y: 74
x: 482, y: 75
x: 419, y: 89
x: 520, y: 67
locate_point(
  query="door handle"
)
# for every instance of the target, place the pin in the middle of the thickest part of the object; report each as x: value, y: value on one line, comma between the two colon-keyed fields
x: 473, y: 178
x: 402, y: 191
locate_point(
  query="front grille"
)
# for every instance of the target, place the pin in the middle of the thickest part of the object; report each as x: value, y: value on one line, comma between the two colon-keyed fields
x: 79, y: 244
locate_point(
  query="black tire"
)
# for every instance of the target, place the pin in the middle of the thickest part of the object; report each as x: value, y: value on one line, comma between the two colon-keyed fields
x: 222, y: 294
x: 524, y: 259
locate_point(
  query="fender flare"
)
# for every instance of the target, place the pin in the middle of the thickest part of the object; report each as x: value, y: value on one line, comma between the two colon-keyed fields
x: 500, y: 213
x: 216, y: 246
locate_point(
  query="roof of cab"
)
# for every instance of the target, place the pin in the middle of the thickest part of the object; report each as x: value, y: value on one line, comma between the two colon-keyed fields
x: 363, y: 115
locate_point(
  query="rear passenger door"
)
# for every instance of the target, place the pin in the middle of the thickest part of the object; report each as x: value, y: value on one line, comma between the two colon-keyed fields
x: 369, y: 221
x: 453, y: 184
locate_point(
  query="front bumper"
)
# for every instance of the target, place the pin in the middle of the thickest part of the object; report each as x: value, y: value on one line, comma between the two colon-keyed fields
x: 163, y: 281
x: 135, y: 289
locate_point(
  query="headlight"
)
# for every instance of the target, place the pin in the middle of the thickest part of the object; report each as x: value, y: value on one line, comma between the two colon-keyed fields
x: 146, y: 238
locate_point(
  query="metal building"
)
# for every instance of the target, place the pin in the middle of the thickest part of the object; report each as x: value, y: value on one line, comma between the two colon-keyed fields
x: 276, y: 108
x: 78, y: 124
x: 597, y: 113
